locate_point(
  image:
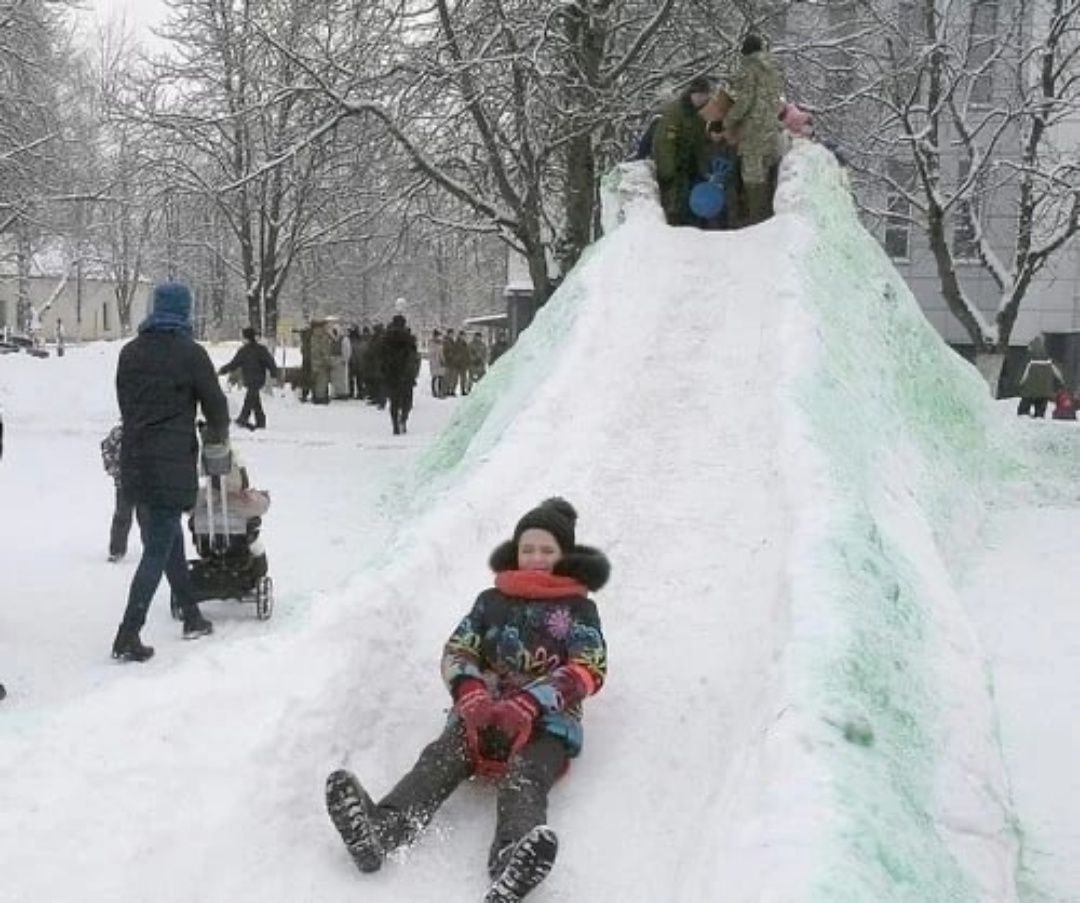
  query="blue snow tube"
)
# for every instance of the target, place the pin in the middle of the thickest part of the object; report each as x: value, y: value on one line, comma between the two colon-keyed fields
x: 707, y: 200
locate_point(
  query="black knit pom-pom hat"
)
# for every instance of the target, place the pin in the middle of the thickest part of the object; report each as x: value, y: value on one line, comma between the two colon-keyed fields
x: 555, y: 515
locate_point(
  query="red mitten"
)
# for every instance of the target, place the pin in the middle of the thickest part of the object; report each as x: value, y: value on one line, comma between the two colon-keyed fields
x: 515, y: 718
x: 475, y: 707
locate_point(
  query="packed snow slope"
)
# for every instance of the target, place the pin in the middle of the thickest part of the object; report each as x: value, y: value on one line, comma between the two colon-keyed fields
x: 784, y: 464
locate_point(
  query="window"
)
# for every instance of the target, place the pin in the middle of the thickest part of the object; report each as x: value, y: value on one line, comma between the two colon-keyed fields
x: 842, y: 17
x: 984, y: 16
x: 965, y: 246
x: 898, y: 209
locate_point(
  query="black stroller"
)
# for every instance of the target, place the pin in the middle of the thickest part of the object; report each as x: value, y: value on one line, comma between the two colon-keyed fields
x: 225, y: 528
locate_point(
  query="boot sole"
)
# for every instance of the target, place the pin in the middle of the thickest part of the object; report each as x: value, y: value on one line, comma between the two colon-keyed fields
x: 527, y: 866
x: 124, y: 657
x: 350, y: 810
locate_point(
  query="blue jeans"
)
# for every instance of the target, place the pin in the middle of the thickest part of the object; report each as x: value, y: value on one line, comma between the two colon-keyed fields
x: 163, y: 553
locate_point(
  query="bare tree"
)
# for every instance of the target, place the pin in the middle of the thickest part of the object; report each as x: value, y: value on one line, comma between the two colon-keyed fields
x: 955, y: 117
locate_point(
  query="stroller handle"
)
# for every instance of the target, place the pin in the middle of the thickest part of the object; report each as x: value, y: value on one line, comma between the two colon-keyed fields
x: 216, y: 460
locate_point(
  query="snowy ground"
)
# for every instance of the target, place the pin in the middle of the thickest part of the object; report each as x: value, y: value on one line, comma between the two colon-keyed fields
x: 782, y: 462
x: 1024, y: 596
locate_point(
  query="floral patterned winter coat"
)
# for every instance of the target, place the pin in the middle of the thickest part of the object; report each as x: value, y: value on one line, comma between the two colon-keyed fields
x: 538, y: 633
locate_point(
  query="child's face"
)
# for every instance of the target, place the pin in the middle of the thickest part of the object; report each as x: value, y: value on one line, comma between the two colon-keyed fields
x: 537, y: 551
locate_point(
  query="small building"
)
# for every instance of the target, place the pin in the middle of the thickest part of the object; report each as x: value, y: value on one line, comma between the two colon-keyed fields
x: 86, y: 307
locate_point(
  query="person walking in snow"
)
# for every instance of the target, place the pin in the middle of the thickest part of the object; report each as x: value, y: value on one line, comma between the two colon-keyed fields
x: 1040, y: 381
x: 679, y: 151
x: 320, y: 361
x: 400, y: 366
x: 753, y: 127
x: 123, y: 509
x: 162, y: 376
x: 437, y: 364
x: 477, y: 358
x: 518, y: 667
x: 254, y: 361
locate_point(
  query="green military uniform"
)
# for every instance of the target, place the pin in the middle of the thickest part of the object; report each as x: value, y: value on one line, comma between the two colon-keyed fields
x: 679, y: 151
x: 753, y: 123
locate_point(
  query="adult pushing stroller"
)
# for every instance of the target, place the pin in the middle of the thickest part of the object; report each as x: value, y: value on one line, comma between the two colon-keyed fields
x: 225, y: 527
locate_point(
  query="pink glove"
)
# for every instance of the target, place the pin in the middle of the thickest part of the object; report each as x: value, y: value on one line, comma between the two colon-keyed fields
x: 476, y: 708
x: 515, y: 718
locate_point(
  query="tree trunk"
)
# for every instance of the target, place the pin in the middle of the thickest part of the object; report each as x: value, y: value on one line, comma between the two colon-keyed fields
x: 23, y: 256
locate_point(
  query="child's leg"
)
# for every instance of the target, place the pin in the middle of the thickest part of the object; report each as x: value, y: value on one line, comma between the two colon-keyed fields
x: 121, y: 523
x: 408, y: 808
x: 523, y: 793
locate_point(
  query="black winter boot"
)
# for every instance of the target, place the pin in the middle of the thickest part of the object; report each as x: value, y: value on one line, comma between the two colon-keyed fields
x: 195, y: 625
x: 127, y: 647
x: 524, y: 866
x: 354, y: 815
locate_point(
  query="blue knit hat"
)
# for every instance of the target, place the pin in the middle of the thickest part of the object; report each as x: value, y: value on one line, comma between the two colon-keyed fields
x: 171, y: 310
x: 173, y: 299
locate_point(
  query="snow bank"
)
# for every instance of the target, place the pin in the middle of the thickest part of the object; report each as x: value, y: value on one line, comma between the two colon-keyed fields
x: 907, y: 449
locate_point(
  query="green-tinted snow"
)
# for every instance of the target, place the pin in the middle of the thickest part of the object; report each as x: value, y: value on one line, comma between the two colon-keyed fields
x: 905, y: 425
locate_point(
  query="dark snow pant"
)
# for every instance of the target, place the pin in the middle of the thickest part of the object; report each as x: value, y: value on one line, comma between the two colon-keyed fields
x: 121, y: 523
x: 445, y: 763
x: 400, y: 406
x: 1026, y: 404
x: 163, y: 553
x: 253, y: 404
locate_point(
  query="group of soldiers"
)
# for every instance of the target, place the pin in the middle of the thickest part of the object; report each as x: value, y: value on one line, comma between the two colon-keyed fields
x: 342, y: 362
x: 738, y: 127
x: 457, y: 363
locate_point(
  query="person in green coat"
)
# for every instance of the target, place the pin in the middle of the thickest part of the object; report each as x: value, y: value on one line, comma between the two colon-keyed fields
x: 752, y: 125
x: 680, y: 150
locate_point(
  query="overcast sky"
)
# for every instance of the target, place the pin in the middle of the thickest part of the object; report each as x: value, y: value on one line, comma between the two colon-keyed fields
x: 141, y: 14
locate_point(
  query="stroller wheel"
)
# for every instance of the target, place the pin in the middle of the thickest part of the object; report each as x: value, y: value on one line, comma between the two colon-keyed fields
x: 174, y: 607
x: 264, y: 598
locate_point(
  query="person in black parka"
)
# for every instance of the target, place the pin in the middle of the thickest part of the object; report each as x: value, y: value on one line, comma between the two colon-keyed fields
x: 254, y: 361
x: 400, y: 367
x: 162, y: 375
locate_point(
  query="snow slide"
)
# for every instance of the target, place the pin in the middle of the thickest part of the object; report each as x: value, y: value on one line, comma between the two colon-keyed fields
x: 780, y: 458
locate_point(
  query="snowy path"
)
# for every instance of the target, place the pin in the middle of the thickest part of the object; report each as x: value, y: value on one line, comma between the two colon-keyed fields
x: 101, y: 748
x: 1025, y: 600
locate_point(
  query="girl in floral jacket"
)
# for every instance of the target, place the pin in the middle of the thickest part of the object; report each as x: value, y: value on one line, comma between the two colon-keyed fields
x: 518, y: 668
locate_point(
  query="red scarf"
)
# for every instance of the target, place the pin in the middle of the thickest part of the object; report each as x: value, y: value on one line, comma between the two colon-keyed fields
x: 538, y: 585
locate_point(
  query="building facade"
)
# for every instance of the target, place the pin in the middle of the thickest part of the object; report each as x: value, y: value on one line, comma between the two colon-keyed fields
x: 85, y: 309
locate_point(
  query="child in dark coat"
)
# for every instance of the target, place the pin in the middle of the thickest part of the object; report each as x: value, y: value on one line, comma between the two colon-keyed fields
x: 1064, y: 405
x: 124, y: 508
x: 518, y: 667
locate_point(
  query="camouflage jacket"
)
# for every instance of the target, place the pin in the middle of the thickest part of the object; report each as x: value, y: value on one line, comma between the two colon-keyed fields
x: 753, y: 120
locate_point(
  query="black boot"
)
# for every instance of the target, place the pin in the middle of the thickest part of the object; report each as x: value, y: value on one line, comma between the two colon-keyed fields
x: 195, y: 625
x: 127, y: 647
x: 524, y: 866
x: 354, y: 815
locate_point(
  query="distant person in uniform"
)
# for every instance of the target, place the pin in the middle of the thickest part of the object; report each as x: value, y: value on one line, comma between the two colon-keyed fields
x: 753, y: 127
x: 679, y: 151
